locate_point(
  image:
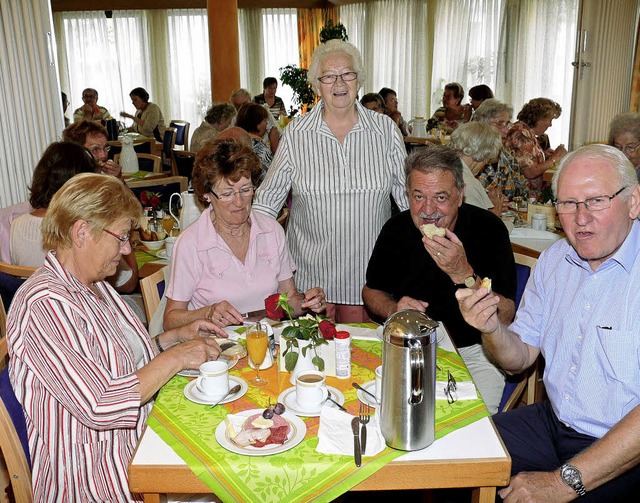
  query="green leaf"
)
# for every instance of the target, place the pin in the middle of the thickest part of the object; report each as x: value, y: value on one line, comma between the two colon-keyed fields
x: 318, y: 362
x: 290, y: 361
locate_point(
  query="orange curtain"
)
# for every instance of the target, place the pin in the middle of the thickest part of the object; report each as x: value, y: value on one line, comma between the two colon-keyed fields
x: 310, y: 22
x: 634, y: 102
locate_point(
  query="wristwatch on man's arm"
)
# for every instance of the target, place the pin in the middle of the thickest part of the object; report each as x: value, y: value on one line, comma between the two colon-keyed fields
x: 571, y: 476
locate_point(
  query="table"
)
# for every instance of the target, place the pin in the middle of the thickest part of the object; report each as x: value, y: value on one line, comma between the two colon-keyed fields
x: 472, y: 456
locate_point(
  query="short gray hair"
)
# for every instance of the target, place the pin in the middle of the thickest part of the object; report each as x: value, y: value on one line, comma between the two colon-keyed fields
x: 436, y: 158
x: 478, y: 140
x: 615, y: 158
x: 491, y: 109
x: 220, y: 112
x: 330, y: 47
x: 624, y: 123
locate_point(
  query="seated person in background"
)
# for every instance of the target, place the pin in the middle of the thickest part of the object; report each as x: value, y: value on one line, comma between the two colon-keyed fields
x: 236, y: 133
x: 60, y: 162
x: 477, y: 145
x: 148, y: 120
x: 269, y: 98
x: 410, y: 271
x: 93, y: 137
x: 90, y: 111
x: 373, y: 101
x: 452, y: 113
x: 232, y: 258
x: 477, y: 95
x: 241, y: 96
x: 253, y: 119
x: 65, y: 105
x: 218, y: 118
x: 624, y: 134
x: 503, y: 174
x: 391, y: 109
x: 579, y: 310
x: 81, y: 364
x: 534, y: 119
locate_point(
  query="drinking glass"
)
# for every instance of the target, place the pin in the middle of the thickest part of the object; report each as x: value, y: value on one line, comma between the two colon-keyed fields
x: 257, y: 342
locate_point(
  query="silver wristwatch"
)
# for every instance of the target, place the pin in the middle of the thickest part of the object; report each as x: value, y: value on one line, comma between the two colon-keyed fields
x: 573, y: 478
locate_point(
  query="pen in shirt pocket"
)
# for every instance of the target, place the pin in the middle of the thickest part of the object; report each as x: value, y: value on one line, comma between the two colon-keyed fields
x: 603, y: 328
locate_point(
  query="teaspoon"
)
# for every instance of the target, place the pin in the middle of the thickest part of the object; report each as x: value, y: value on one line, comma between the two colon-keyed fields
x: 232, y: 391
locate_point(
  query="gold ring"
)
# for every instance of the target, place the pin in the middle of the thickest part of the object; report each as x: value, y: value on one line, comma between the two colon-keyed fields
x: 438, y: 254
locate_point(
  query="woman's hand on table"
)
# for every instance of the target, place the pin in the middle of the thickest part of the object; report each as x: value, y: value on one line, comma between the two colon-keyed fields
x: 314, y: 300
x: 191, y: 354
x: 224, y: 314
x: 199, y: 329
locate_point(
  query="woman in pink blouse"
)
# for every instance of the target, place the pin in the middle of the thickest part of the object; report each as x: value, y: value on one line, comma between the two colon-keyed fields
x: 534, y: 119
x: 81, y: 363
x: 232, y: 258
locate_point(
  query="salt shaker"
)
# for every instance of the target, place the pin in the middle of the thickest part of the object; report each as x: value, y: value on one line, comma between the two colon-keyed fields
x: 539, y: 222
x: 343, y: 354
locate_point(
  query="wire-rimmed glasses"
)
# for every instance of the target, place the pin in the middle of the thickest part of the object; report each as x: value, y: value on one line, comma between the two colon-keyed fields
x: 597, y: 203
x: 346, y: 77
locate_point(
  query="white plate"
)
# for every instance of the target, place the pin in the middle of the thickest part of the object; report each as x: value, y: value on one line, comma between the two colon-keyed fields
x: 196, y: 373
x: 162, y: 254
x: 370, y: 386
x: 288, y: 398
x: 192, y: 393
x: 296, y: 435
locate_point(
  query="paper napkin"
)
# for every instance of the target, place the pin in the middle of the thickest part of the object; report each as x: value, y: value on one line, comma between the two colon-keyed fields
x: 466, y: 390
x: 336, y: 436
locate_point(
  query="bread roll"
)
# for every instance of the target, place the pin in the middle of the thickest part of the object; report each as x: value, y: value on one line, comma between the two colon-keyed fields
x: 486, y: 283
x: 431, y: 230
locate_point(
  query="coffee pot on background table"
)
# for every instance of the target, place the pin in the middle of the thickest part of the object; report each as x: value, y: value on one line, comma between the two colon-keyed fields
x: 128, y: 159
x: 407, y: 404
x: 417, y: 127
x: 190, y: 208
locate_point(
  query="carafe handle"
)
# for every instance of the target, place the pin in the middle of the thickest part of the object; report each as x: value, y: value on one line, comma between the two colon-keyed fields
x: 416, y: 363
x: 171, y: 205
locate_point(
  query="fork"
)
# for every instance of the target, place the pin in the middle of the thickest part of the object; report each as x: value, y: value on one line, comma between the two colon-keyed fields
x: 364, y: 419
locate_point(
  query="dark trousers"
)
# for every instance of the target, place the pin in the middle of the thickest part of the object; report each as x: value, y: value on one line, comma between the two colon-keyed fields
x: 538, y: 441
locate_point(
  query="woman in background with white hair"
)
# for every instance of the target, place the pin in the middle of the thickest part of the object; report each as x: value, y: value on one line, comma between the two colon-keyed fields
x: 341, y: 163
x: 478, y: 144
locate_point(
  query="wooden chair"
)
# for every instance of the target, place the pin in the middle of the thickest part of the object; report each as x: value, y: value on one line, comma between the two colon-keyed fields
x: 145, y: 161
x: 18, y: 271
x: 11, y: 278
x: 168, y: 144
x: 152, y: 288
x: 283, y: 217
x: 183, y: 162
x: 182, y: 132
x: 529, y: 381
x: 15, y: 471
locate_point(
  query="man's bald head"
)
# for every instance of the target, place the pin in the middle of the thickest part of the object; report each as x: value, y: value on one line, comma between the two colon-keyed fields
x: 235, y: 133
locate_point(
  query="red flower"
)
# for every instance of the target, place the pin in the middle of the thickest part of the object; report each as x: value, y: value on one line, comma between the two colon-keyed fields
x: 155, y: 201
x: 274, y: 311
x: 327, y: 330
x: 144, y: 199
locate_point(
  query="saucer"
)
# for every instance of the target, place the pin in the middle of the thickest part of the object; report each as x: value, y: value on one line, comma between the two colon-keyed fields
x: 162, y: 254
x: 370, y: 386
x: 196, y: 372
x: 193, y: 394
x: 288, y: 398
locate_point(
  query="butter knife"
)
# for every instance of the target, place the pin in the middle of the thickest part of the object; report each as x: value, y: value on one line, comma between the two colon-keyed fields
x: 355, y: 427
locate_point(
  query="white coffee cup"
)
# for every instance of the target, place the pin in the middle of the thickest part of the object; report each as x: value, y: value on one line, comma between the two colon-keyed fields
x: 168, y: 245
x: 311, y: 389
x: 214, y: 379
x: 378, y: 388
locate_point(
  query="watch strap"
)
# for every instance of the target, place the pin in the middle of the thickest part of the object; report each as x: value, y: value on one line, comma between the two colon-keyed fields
x: 474, y: 276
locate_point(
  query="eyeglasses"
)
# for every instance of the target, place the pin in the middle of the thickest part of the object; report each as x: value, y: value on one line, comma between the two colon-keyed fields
x: 450, y: 390
x: 225, y: 197
x: 346, y: 77
x: 123, y: 239
x: 89, y: 97
x: 629, y: 149
x: 596, y: 203
x: 97, y: 150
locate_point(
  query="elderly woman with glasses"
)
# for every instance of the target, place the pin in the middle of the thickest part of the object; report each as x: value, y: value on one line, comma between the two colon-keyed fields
x: 453, y: 112
x: 81, y: 363
x: 231, y: 259
x: 504, y: 173
x: 341, y: 162
x: 624, y: 134
x: 93, y: 136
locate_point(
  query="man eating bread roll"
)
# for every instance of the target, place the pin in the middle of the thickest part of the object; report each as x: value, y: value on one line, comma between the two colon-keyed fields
x: 425, y: 254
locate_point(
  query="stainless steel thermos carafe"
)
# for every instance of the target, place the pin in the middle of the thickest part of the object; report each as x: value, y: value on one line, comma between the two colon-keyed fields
x: 407, y: 409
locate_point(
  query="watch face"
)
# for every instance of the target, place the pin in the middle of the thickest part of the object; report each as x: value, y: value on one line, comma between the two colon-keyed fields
x: 470, y: 281
x: 571, y: 475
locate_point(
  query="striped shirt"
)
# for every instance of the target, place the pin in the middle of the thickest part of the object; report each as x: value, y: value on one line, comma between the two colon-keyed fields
x: 340, y: 197
x: 72, y: 370
x: 586, y: 324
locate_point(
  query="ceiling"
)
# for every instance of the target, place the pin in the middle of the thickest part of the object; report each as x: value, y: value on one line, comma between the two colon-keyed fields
x: 76, y: 5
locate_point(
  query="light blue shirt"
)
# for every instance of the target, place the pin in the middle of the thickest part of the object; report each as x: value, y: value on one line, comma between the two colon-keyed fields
x: 587, y: 325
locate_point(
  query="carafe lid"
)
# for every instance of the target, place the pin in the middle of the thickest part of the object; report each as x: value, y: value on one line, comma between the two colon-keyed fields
x: 407, y: 325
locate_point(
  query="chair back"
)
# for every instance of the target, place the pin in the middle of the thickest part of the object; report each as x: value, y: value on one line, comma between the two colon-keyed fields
x: 146, y: 162
x: 152, y: 288
x: 11, y: 278
x: 183, y: 162
x: 168, y: 144
x: 14, y: 444
x: 182, y: 132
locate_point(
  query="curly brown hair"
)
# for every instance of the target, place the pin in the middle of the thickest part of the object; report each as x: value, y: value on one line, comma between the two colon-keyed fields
x: 79, y: 131
x: 61, y: 161
x: 220, y: 159
x: 538, y: 109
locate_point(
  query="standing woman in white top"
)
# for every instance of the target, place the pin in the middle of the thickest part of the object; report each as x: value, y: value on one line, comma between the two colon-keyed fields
x: 342, y: 163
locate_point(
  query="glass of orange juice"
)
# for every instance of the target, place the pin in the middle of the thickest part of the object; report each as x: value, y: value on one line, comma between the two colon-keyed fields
x: 257, y: 342
x: 168, y: 222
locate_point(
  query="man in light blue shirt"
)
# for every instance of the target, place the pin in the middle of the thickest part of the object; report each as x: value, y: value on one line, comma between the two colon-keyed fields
x: 579, y: 310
